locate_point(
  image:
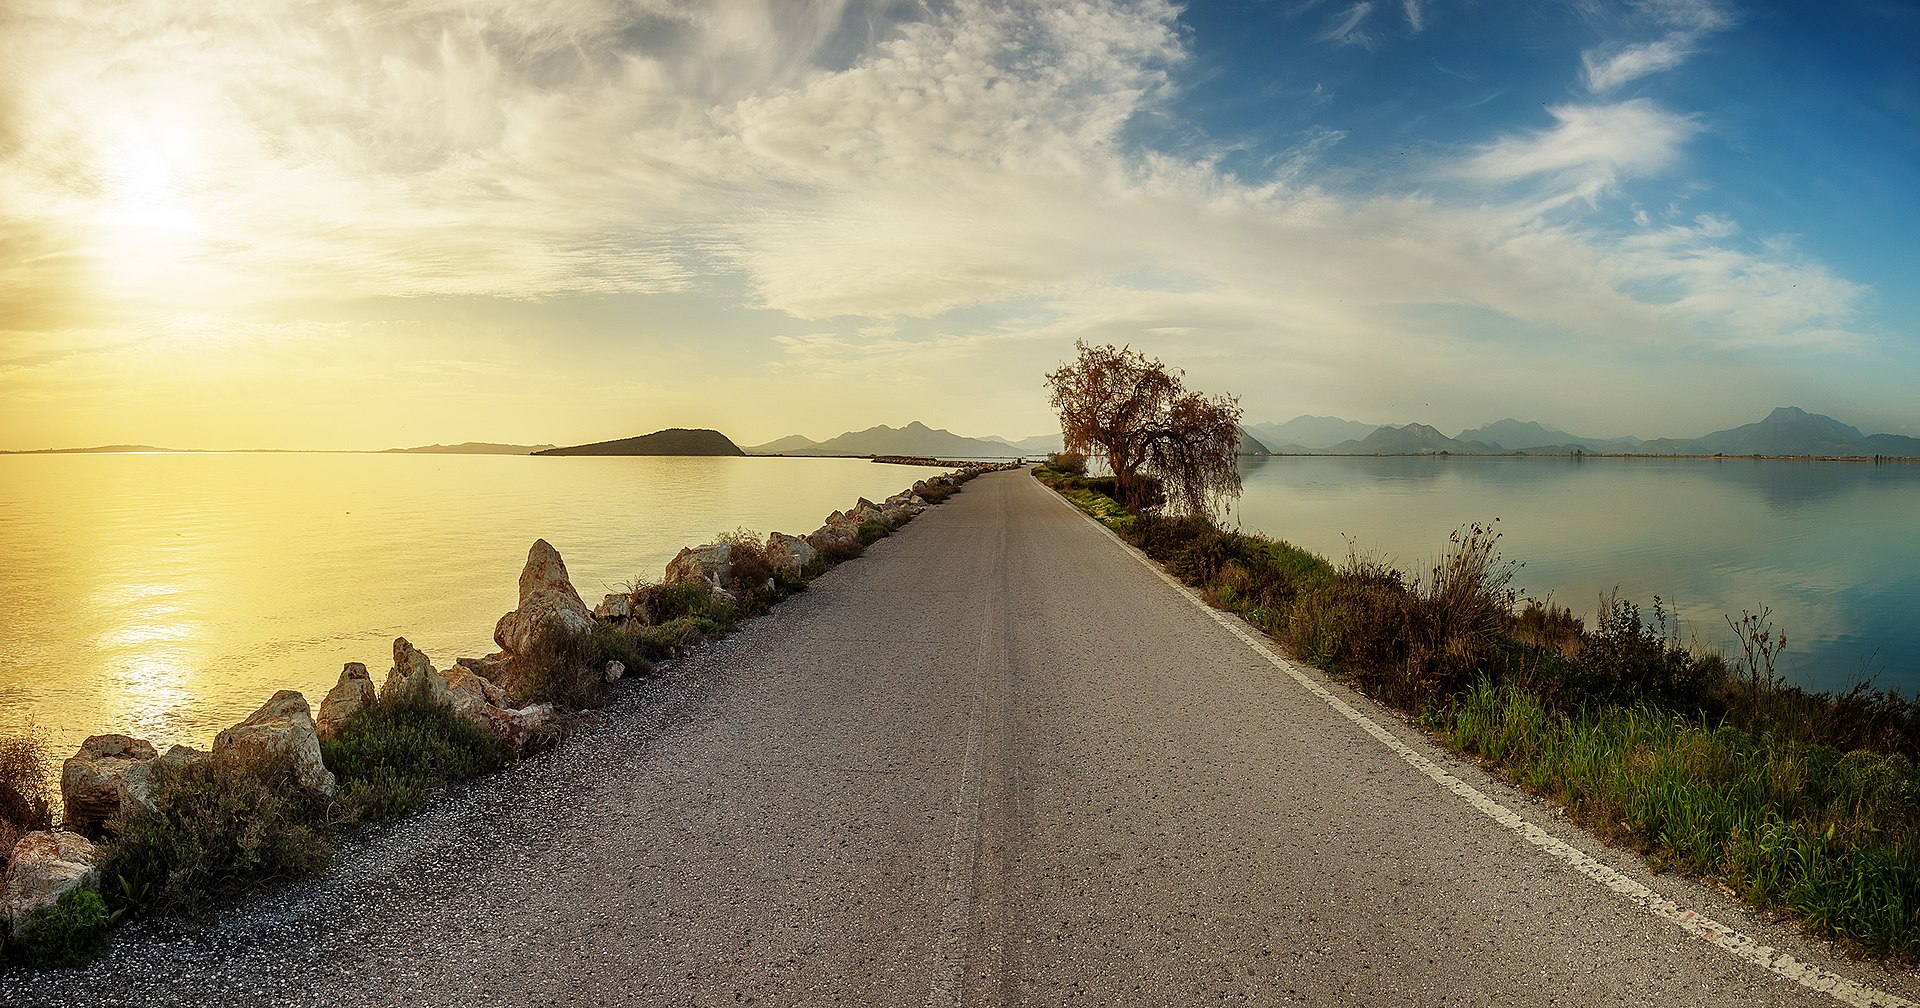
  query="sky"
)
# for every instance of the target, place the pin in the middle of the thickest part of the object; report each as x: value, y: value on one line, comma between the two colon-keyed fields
x: 362, y: 224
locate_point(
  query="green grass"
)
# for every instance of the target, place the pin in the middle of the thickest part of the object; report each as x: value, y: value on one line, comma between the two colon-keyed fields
x: 1805, y: 804
x: 71, y: 931
x: 1829, y: 838
x: 387, y: 758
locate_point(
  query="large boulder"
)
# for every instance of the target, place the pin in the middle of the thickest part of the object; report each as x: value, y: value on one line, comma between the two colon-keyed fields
x: 412, y: 671
x: 834, y: 534
x: 788, y: 553
x: 136, y: 786
x: 546, y: 597
x: 352, y: 694
x: 282, y: 727
x: 42, y: 867
x: 712, y: 563
x: 469, y: 689
x: 546, y: 572
x: 616, y: 606
x: 867, y: 511
x: 90, y: 780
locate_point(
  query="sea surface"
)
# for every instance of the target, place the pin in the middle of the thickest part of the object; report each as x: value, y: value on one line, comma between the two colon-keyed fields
x: 167, y: 596
x: 1831, y: 548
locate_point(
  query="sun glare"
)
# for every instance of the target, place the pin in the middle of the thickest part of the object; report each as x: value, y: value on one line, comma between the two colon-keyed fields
x: 148, y: 221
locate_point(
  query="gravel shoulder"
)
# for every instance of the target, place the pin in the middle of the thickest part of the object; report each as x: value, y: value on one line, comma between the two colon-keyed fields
x: 995, y: 761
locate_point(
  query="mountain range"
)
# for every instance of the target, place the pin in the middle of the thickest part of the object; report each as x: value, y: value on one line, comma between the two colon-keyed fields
x: 917, y: 438
x: 470, y: 448
x: 1788, y: 430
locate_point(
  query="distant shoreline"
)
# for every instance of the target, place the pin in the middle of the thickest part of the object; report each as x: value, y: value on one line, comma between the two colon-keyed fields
x: 912, y: 460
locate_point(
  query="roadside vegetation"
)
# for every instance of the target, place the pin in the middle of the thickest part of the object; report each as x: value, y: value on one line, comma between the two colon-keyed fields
x: 219, y: 826
x: 1803, y: 804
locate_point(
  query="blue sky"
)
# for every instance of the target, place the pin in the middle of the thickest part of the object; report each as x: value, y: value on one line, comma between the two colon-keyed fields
x: 582, y: 219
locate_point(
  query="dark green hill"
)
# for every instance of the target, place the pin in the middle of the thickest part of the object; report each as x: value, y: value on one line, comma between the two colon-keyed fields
x: 672, y: 441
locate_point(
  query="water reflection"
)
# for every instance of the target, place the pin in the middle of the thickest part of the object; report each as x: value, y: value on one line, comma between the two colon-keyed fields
x: 167, y: 596
x: 1824, y: 544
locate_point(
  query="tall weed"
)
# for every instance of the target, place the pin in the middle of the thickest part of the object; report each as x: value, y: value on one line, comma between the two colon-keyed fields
x: 26, y: 801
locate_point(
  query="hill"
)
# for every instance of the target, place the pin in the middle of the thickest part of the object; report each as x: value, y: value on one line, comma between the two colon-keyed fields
x: 915, y: 438
x: 1788, y: 430
x: 115, y: 449
x: 1312, y: 432
x: 1039, y: 444
x: 672, y: 441
x: 470, y: 448
x: 1532, y: 435
x: 1411, y: 439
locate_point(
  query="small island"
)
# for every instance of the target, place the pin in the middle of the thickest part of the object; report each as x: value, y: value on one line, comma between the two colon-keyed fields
x: 672, y: 441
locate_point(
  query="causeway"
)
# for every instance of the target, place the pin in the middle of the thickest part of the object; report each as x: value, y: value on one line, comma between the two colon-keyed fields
x: 996, y: 761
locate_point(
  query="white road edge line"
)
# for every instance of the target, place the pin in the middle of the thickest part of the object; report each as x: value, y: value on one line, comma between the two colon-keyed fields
x: 1732, y: 942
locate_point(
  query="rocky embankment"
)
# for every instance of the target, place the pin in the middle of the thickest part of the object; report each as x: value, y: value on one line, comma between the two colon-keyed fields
x: 112, y: 774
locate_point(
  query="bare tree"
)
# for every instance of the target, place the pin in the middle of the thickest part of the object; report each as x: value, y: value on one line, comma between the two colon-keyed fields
x: 1128, y: 409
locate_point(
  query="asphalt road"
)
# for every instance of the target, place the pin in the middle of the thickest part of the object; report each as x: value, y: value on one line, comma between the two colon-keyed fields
x: 997, y: 761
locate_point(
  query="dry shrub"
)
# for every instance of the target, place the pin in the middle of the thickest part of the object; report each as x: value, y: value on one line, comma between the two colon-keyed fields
x: 1549, y: 627
x: 567, y: 668
x: 26, y: 804
x: 749, y: 567
x: 1072, y: 463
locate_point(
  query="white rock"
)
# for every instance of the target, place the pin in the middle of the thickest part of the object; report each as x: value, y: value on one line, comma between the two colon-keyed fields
x: 282, y: 726
x: 136, y: 787
x: 352, y: 694
x: 42, y: 867
x: 90, y: 780
x: 546, y: 597
x: 712, y: 563
x: 790, y: 553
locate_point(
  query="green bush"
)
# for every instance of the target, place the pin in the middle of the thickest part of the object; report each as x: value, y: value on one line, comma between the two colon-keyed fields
x: 389, y: 756
x: 1631, y: 659
x: 71, y: 931
x: 220, y: 826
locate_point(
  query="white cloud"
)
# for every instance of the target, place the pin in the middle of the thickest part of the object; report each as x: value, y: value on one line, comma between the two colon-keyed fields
x: 1346, y: 30
x: 1612, y: 66
x: 1605, y: 73
x: 1588, y: 151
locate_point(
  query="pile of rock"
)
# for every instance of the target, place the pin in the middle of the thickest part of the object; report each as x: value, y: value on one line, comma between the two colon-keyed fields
x: 842, y: 528
x: 113, y: 775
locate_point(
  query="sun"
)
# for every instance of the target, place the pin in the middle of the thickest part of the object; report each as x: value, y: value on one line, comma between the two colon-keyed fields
x: 147, y: 223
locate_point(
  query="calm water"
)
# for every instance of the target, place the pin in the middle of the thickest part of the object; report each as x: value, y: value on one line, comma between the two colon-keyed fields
x: 1833, y: 548
x: 167, y: 596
